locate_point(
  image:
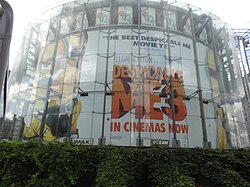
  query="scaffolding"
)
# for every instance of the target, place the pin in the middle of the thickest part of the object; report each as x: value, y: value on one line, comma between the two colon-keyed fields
x: 243, y: 41
x: 242, y: 38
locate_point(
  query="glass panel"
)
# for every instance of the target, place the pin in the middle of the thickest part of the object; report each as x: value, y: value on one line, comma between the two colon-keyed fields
x: 186, y: 48
x: 48, y: 52
x: 38, y: 107
x: 92, y: 42
x: 80, y: 19
x: 96, y: 127
x: 56, y: 11
x: 43, y: 32
x: 189, y: 73
x: 195, y: 138
x: 74, y: 49
x: 212, y: 131
x: 85, y: 126
x: 98, y: 102
x: 66, y: 25
x: 52, y: 33
x: 62, y: 47
x: 204, y: 77
x: 88, y: 69
x: 101, y: 69
x: 58, y: 75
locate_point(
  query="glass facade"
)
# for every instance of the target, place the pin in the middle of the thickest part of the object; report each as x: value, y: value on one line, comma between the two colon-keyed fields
x: 128, y: 73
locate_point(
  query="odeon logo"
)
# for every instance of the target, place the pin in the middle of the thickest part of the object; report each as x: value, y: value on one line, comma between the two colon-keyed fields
x: 151, y: 98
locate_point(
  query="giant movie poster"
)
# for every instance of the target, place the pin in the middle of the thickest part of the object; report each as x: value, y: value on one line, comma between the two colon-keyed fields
x: 139, y: 78
x: 141, y: 100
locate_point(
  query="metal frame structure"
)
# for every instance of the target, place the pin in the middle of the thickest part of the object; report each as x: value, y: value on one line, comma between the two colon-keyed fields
x: 191, y: 24
x: 242, y: 38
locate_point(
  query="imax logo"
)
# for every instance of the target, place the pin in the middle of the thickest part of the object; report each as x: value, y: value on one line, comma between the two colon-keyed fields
x: 82, y: 141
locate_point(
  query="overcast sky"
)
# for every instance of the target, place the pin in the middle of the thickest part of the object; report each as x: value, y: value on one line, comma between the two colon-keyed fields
x: 235, y: 13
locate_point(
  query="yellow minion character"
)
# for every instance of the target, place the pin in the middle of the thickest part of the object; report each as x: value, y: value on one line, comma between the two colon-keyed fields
x: 222, y: 138
x: 55, y: 125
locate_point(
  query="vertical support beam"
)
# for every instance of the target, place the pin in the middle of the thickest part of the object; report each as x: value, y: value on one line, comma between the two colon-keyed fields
x: 102, y: 138
x: 244, y: 78
x: 139, y: 141
x: 245, y: 53
x: 5, y: 93
x: 49, y: 83
x: 43, y: 120
x: 205, y: 142
x: 81, y: 52
x: 221, y: 84
x: 175, y: 142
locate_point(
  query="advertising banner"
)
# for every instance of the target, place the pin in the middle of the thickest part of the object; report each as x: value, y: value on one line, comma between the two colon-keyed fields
x: 56, y: 105
x: 141, y: 100
x: 102, y: 16
x: 125, y: 15
x: 170, y: 15
x: 142, y: 103
x: 148, y: 16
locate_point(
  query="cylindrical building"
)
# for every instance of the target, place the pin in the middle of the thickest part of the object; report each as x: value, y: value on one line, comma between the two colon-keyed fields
x: 132, y: 73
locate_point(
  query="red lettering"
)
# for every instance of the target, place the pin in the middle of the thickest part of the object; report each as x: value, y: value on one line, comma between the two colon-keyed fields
x: 157, y: 127
x: 151, y: 127
x: 116, y: 126
x: 180, y: 128
x: 171, y: 128
x: 135, y: 127
x: 163, y: 129
x: 142, y: 127
x: 125, y: 127
x: 184, y: 129
x: 111, y: 126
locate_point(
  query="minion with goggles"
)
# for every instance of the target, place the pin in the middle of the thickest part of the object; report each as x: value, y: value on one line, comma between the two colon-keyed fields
x: 56, y: 125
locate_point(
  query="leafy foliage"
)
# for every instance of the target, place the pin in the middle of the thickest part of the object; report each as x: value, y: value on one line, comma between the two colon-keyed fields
x: 56, y: 164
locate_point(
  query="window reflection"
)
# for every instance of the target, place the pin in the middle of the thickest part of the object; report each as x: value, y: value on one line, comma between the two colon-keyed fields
x: 66, y: 25
x: 74, y: 49
x: 88, y: 69
x: 52, y: 29
x: 45, y: 74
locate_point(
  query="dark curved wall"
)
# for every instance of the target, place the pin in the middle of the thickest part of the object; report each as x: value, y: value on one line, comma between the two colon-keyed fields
x: 6, y: 22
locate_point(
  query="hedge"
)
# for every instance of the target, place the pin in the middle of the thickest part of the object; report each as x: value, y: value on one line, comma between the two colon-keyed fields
x: 57, y: 164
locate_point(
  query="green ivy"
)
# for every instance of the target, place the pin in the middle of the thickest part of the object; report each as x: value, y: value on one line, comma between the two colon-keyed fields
x: 57, y: 164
